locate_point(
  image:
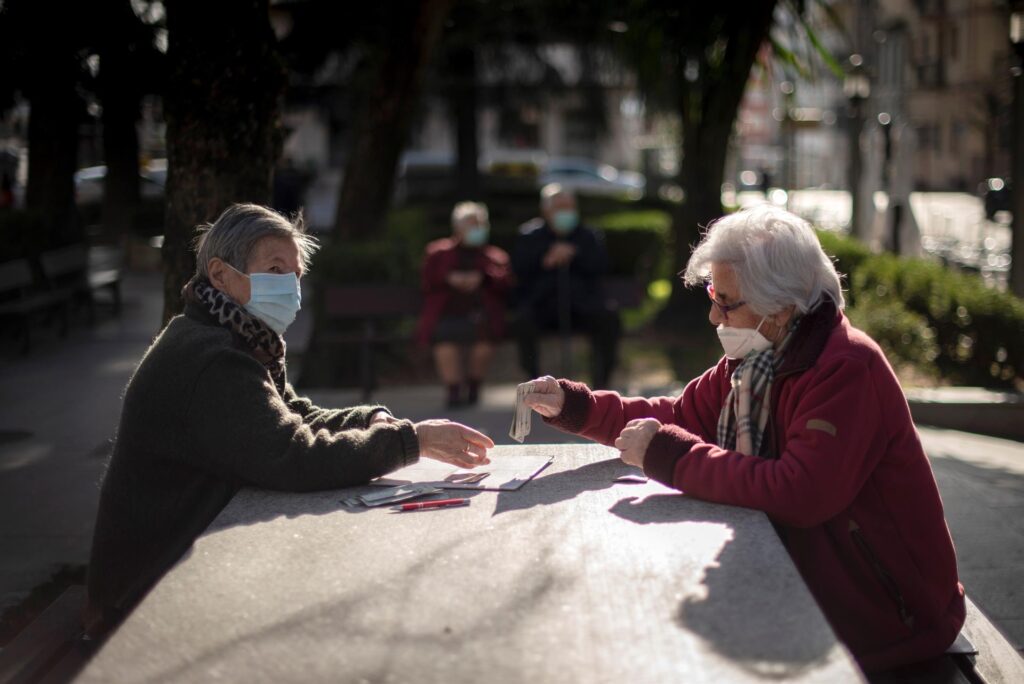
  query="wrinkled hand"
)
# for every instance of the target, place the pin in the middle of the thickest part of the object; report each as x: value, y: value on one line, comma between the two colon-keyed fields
x: 559, y: 254
x: 635, y: 438
x: 547, y: 397
x: 448, y: 442
x: 464, y: 281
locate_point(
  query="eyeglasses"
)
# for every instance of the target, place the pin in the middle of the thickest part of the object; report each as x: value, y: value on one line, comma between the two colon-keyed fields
x: 723, y: 309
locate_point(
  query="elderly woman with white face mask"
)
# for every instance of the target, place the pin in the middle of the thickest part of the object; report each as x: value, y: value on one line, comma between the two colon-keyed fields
x: 803, y: 419
x: 209, y: 410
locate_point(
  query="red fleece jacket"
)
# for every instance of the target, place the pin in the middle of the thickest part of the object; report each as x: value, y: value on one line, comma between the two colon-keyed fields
x: 847, y: 484
x: 442, y: 257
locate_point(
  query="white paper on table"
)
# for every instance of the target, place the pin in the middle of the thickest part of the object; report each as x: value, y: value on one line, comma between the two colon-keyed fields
x: 508, y: 473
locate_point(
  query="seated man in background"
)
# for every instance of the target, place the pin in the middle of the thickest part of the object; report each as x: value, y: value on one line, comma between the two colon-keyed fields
x: 465, y: 281
x: 804, y: 419
x: 209, y: 410
x: 559, y: 265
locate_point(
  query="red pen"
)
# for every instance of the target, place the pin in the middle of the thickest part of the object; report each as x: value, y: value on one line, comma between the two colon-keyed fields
x: 437, y: 503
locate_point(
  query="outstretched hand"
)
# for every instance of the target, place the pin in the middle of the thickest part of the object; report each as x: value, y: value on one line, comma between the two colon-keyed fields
x: 635, y: 438
x: 454, y: 443
x: 546, y: 398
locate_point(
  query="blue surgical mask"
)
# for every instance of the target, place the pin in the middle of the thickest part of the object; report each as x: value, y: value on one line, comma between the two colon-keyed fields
x: 565, y: 221
x: 274, y: 298
x: 476, y: 236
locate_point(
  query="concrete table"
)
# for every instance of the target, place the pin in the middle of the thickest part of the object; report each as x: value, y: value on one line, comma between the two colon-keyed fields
x: 573, y: 578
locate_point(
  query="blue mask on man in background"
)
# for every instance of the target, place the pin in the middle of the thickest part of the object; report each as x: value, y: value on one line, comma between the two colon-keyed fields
x: 565, y: 221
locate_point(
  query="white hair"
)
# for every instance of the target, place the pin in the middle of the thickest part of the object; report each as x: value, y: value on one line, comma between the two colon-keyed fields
x: 465, y: 210
x: 777, y: 258
x: 233, y: 236
x: 551, y: 191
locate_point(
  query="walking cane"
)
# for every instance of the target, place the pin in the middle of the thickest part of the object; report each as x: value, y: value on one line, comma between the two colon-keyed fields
x: 565, y: 320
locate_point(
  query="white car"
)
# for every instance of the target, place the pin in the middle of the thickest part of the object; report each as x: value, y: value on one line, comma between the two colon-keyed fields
x: 89, y: 182
x: 589, y: 177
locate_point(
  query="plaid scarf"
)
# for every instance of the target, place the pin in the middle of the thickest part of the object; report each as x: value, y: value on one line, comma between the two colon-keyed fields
x: 744, y: 417
x: 263, y: 343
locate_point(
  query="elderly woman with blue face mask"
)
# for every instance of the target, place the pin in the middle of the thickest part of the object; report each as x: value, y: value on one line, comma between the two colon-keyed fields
x: 209, y: 410
x: 803, y: 419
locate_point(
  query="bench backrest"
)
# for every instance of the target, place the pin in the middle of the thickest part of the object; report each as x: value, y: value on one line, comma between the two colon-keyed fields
x: 623, y: 293
x: 15, y: 275
x: 371, y: 301
x: 66, y: 261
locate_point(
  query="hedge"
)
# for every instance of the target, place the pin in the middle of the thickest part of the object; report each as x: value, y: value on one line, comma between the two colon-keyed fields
x: 933, y: 317
x: 637, y: 243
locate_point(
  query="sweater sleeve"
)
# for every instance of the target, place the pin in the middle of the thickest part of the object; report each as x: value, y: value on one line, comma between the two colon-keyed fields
x: 329, y: 419
x: 601, y: 415
x: 834, y: 436
x: 240, y: 428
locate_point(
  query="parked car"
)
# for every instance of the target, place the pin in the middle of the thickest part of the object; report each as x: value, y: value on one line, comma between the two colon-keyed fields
x: 89, y: 182
x: 589, y: 177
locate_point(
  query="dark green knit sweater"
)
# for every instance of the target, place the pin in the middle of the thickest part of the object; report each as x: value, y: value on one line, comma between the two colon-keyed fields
x: 202, y: 418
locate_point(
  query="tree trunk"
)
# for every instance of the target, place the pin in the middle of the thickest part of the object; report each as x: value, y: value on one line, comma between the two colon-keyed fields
x: 223, y: 124
x: 464, y: 107
x: 120, y: 96
x: 1017, y: 189
x: 53, y: 148
x: 387, y: 112
x: 707, y: 108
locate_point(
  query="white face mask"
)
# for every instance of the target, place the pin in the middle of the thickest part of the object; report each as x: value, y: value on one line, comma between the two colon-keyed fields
x: 738, y: 342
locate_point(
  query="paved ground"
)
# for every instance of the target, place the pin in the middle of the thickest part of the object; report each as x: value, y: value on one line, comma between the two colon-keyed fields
x: 59, y: 409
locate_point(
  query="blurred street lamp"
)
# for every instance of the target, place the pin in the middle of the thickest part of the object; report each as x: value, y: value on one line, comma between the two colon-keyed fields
x: 857, y: 89
x: 1017, y: 153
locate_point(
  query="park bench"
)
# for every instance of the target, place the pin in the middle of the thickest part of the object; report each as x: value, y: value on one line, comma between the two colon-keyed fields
x: 51, y: 648
x: 21, y: 300
x: 73, y: 270
x: 372, y: 304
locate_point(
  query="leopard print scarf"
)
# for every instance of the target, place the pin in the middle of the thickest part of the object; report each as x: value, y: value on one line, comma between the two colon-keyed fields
x: 266, y: 345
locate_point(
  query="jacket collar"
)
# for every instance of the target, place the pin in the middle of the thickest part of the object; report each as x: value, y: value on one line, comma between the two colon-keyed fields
x: 810, y: 338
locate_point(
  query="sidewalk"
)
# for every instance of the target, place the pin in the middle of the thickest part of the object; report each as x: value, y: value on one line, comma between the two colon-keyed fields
x: 59, y: 409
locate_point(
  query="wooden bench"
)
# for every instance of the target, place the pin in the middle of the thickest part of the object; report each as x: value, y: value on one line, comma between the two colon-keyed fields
x: 21, y: 300
x: 370, y: 304
x: 51, y: 648
x: 72, y: 270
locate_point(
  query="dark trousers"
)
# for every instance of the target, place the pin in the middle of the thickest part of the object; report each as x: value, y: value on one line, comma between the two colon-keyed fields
x: 601, y: 326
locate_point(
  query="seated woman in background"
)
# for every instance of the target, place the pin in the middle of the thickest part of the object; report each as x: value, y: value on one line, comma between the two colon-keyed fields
x: 209, y: 410
x: 464, y: 285
x: 803, y: 419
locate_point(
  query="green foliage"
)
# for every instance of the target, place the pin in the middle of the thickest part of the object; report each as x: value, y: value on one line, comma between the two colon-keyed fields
x: 924, y: 313
x: 637, y: 242
x: 848, y: 255
x: 905, y: 336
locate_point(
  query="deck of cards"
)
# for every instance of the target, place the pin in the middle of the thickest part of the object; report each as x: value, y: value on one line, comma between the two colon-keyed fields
x: 391, y: 495
x: 522, y: 419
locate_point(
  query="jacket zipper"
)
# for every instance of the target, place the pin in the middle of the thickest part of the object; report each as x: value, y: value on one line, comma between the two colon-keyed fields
x: 887, y: 580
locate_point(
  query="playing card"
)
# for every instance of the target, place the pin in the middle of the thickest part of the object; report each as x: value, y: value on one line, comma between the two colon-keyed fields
x: 390, y: 495
x: 523, y: 414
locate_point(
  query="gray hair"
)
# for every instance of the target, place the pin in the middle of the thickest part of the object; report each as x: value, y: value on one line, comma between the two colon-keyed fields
x: 233, y: 236
x: 552, y: 190
x: 465, y: 210
x: 777, y: 257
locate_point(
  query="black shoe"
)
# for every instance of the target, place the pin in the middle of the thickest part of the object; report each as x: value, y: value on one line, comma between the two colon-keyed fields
x: 473, y: 393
